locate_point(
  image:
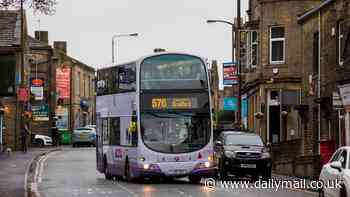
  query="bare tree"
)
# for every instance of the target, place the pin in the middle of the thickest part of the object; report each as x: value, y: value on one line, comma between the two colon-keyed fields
x: 44, y: 6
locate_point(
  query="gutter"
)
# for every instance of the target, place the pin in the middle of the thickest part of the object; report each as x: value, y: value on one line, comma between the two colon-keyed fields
x: 301, y: 19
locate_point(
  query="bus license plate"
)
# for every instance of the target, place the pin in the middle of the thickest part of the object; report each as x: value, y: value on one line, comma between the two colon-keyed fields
x: 179, y: 171
x: 248, y: 165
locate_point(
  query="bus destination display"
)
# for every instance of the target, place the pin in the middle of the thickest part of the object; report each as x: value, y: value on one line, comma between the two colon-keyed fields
x: 174, y: 103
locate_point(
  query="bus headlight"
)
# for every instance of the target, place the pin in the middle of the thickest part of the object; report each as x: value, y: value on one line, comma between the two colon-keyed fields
x: 207, y: 164
x: 146, y: 166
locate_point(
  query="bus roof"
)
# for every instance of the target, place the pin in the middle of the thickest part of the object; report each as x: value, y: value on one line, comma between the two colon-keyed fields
x: 147, y: 56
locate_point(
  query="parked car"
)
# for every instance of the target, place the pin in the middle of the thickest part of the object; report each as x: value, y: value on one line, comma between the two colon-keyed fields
x: 240, y: 153
x: 84, y: 136
x: 337, y: 169
x: 42, y: 140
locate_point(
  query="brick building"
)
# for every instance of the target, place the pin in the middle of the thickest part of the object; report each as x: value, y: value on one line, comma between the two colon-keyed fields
x: 273, y: 81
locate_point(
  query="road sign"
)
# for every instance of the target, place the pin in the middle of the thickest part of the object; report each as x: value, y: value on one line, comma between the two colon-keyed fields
x: 230, y: 104
x: 230, y: 73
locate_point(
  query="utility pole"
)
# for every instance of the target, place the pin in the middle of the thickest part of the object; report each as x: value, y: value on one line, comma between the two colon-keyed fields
x: 238, y: 62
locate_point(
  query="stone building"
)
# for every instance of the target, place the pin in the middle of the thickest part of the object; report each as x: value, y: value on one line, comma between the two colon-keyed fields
x: 76, y: 103
x: 323, y: 38
x: 273, y: 81
x: 10, y: 77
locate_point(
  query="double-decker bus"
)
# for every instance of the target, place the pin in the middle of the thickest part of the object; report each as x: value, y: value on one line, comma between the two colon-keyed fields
x: 154, y: 118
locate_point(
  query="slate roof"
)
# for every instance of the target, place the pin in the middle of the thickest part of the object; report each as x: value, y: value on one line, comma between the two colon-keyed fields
x: 10, y: 26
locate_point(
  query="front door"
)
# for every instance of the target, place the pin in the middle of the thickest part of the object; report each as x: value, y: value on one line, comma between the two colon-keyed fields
x: 99, y: 144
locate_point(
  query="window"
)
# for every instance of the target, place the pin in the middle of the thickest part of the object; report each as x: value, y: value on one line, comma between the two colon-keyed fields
x: 340, y: 43
x: 335, y: 155
x: 77, y: 84
x: 173, y: 71
x: 277, y: 45
x: 127, y: 78
x: 115, y: 131
x: 343, y: 159
x: 316, y: 54
x: 254, y: 49
x: 7, y: 75
x: 105, y: 131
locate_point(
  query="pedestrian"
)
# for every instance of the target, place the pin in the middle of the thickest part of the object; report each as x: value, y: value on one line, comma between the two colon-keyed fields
x: 24, y: 135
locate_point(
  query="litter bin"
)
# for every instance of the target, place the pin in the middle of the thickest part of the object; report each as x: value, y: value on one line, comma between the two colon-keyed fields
x: 65, y: 137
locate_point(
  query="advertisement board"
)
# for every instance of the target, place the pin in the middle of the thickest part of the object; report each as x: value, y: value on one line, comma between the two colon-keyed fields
x: 40, y: 112
x: 345, y: 94
x: 37, y: 88
x: 230, y: 104
x: 63, y: 82
x: 62, y: 121
x: 230, y: 73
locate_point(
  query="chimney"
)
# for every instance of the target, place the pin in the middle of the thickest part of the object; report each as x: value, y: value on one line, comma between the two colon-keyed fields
x: 43, y: 36
x: 61, y: 46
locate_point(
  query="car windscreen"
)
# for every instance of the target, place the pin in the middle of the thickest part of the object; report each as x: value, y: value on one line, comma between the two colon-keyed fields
x: 248, y: 140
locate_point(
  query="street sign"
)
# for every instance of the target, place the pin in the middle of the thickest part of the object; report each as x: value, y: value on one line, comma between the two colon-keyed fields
x: 40, y: 112
x: 63, y: 82
x: 230, y: 73
x: 37, y: 88
x: 230, y: 104
x: 23, y: 94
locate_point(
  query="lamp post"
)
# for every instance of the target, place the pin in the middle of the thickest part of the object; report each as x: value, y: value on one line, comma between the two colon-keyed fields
x: 117, y: 36
x: 235, y: 34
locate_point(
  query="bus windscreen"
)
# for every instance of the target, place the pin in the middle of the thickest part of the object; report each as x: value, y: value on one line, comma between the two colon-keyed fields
x: 173, y: 71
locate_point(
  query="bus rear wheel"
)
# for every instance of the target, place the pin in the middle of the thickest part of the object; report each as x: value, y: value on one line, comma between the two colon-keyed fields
x: 108, y: 175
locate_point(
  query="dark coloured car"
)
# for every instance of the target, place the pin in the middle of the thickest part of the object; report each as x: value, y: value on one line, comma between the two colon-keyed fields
x: 241, y: 154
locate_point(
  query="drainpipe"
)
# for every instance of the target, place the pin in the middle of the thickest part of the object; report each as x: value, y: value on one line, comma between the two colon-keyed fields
x: 319, y: 80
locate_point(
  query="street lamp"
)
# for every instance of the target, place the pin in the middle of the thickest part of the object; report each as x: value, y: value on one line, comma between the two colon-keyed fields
x: 117, y: 36
x: 234, y: 30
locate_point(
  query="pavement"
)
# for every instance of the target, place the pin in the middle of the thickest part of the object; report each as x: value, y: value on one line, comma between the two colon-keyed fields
x: 13, y: 170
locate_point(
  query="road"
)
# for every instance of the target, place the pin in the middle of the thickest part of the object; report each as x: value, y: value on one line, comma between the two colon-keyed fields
x: 72, y: 172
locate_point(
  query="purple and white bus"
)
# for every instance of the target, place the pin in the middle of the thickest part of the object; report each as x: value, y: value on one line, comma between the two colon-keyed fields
x: 154, y: 118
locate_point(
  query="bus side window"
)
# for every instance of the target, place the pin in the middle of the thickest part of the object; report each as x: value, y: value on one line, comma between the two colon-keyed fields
x: 115, y: 131
x: 105, y: 130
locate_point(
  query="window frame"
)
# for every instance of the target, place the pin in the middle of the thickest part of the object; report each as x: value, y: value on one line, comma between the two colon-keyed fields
x: 340, y: 38
x: 271, y: 40
x: 254, y: 43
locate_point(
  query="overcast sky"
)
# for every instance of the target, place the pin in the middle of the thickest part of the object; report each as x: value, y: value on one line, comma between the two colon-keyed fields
x: 175, y: 25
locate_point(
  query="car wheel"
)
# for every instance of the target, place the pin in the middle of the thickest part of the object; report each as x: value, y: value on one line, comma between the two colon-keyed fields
x: 343, y: 191
x: 39, y: 142
x: 321, y: 192
x: 195, y: 179
x: 266, y: 175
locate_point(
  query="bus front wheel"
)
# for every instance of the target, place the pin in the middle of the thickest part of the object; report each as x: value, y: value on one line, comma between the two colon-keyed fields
x: 108, y: 175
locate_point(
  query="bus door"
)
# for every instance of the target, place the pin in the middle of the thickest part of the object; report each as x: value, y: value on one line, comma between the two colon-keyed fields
x: 99, y: 144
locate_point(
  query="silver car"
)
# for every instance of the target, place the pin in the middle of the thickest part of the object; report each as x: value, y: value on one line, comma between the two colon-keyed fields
x: 84, y: 136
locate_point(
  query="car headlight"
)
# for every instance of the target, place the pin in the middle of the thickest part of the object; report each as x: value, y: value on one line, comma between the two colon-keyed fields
x: 230, y: 154
x: 265, y: 155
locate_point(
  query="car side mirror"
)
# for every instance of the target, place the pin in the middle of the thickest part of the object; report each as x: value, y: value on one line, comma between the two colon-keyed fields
x: 336, y: 165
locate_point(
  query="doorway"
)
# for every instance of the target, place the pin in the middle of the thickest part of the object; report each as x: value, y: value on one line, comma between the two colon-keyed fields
x: 274, y: 123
